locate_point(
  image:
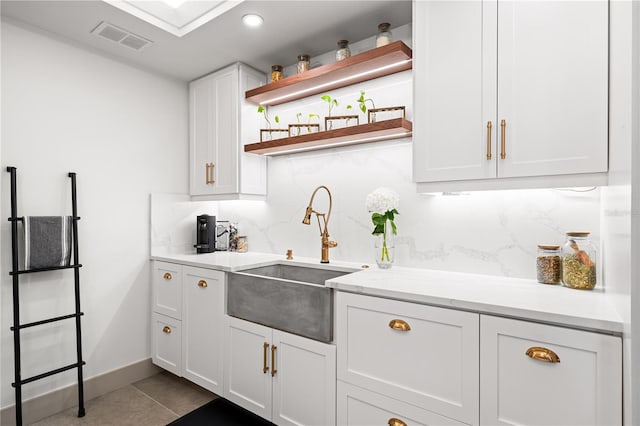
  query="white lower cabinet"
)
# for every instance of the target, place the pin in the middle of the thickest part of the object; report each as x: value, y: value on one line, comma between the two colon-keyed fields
x: 187, y: 322
x: 537, y: 374
x: 360, y: 407
x: 284, y: 378
x: 166, y: 341
x: 202, y: 334
x: 422, y: 355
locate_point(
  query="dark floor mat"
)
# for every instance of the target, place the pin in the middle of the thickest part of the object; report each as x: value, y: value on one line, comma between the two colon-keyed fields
x: 220, y: 412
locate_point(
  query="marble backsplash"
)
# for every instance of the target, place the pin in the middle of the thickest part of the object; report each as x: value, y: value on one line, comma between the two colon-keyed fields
x: 492, y: 232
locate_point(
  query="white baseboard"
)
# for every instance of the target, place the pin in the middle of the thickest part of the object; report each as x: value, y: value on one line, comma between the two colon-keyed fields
x: 53, y: 402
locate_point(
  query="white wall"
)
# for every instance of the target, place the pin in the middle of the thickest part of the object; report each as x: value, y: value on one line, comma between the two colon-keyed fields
x: 124, y: 131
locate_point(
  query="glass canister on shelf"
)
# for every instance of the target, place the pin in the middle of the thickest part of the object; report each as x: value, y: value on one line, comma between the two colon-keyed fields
x: 384, y: 34
x: 303, y: 63
x: 276, y: 73
x: 578, y: 261
x: 343, y: 51
x: 548, y: 264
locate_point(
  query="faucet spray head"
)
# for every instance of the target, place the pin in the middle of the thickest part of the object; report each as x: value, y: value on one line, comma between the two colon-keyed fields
x: 307, y: 216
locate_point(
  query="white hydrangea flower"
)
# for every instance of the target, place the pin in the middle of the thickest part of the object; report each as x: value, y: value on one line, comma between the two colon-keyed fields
x: 382, y: 200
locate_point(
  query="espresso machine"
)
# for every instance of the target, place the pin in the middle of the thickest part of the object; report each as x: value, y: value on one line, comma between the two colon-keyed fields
x: 205, y: 234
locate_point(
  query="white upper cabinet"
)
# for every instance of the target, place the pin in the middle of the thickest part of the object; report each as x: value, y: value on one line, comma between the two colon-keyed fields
x: 220, y: 124
x: 510, y: 89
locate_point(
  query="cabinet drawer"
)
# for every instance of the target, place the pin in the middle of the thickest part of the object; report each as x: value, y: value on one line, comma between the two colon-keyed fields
x: 167, y: 289
x: 166, y: 343
x: 360, y: 407
x: 433, y: 364
x: 583, y: 388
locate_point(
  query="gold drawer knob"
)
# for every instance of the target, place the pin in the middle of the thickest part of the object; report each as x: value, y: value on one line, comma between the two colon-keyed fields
x: 400, y: 325
x: 543, y: 354
x: 167, y: 276
x: 166, y: 329
x: 202, y: 283
x: 396, y: 422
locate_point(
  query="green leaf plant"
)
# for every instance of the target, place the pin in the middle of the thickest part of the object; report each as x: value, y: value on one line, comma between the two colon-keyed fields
x: 362, y: 102
x: 265, y: 112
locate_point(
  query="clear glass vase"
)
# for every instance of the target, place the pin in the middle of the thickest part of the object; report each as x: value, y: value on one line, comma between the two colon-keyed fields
x: 385, y: 246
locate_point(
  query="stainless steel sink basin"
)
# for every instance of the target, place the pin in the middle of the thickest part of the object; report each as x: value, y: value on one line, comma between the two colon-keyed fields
x: 286, y: 297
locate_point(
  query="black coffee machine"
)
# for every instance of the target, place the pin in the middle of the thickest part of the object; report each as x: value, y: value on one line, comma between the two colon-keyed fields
x: 205, y: 234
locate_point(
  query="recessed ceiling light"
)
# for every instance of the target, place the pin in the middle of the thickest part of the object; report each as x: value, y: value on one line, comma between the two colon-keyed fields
x: 252, y: 20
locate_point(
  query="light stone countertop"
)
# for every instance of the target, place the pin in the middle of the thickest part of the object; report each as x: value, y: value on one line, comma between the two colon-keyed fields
x: 504, y: 296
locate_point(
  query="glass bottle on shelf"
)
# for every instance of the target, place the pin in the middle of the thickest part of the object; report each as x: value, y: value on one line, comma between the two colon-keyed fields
x: 578, y: 261
x: 384, y: 34
x: 276, y: 73
x: 303, y: 63
x: 343, y: 51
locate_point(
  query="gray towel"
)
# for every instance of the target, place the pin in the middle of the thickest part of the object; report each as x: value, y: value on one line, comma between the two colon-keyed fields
x: 47, y: 241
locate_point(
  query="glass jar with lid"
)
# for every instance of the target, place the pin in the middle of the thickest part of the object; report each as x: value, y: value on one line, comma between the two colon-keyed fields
x: 303, y: 63
x: 384, y: 34
x: 276, y: 73
x: 343, y: 51
x: 548, y: 264
x: 578, y: 261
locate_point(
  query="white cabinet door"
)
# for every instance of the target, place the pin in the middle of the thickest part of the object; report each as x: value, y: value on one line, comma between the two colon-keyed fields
x: 583, y: 388
x: 553, y: 86
x: 509, y: 89
x: 360, y: 407
x: 220, y: 123
x: 166, y: 340
x: 422, y: 355
x: 304, y: 386
x: 454, y: 73
x: 214, y: 128
x: 202, y: 327
x: 167, y: 289
x: 247, y: 373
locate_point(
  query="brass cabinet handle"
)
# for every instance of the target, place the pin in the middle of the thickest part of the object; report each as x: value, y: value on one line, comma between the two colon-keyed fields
x: 273, y: 360
x: 503, y: 142
x: 212, y: 179
x: 400, y: 325
x: 166, y: 329
x: 202, y: 283
x: 489, y: 126
x: 265, y: 367
x: 167, y: 276
x: 543, y: 354
x: 396, y: 422
x: 209, y: 174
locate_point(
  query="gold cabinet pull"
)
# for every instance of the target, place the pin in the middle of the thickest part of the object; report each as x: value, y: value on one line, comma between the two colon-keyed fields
x: 543, y: 354
x: 489, y: 126
x: 273, y: 360
x: 209, y: 174
x: 396, y: 422
x: 400, y: 325
x: 503, y: 142
x: 166, y: 329
x: 167, y: 276
x: 265, y: 367
x: 202, y: 283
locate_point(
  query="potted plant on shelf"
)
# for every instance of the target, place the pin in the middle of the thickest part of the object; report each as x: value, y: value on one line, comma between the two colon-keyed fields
x: 269, y: 133
x: 329, y: 119
x: 309, y: 127
x: 372, y: 113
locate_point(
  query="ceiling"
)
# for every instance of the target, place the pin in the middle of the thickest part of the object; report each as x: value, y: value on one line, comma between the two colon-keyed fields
x: 290, y: 28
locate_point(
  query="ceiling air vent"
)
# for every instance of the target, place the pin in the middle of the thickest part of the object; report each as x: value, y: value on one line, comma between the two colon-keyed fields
x: 120, y: 36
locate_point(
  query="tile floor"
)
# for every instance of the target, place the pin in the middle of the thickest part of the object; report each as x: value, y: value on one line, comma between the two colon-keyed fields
x: 157, y: 400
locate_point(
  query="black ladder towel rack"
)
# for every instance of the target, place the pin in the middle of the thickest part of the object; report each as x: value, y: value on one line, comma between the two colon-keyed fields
x: 16, y: 273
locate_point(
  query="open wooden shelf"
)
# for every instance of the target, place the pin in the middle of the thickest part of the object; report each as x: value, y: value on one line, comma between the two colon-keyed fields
x: 374, y: 63
x: 364, y: 133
